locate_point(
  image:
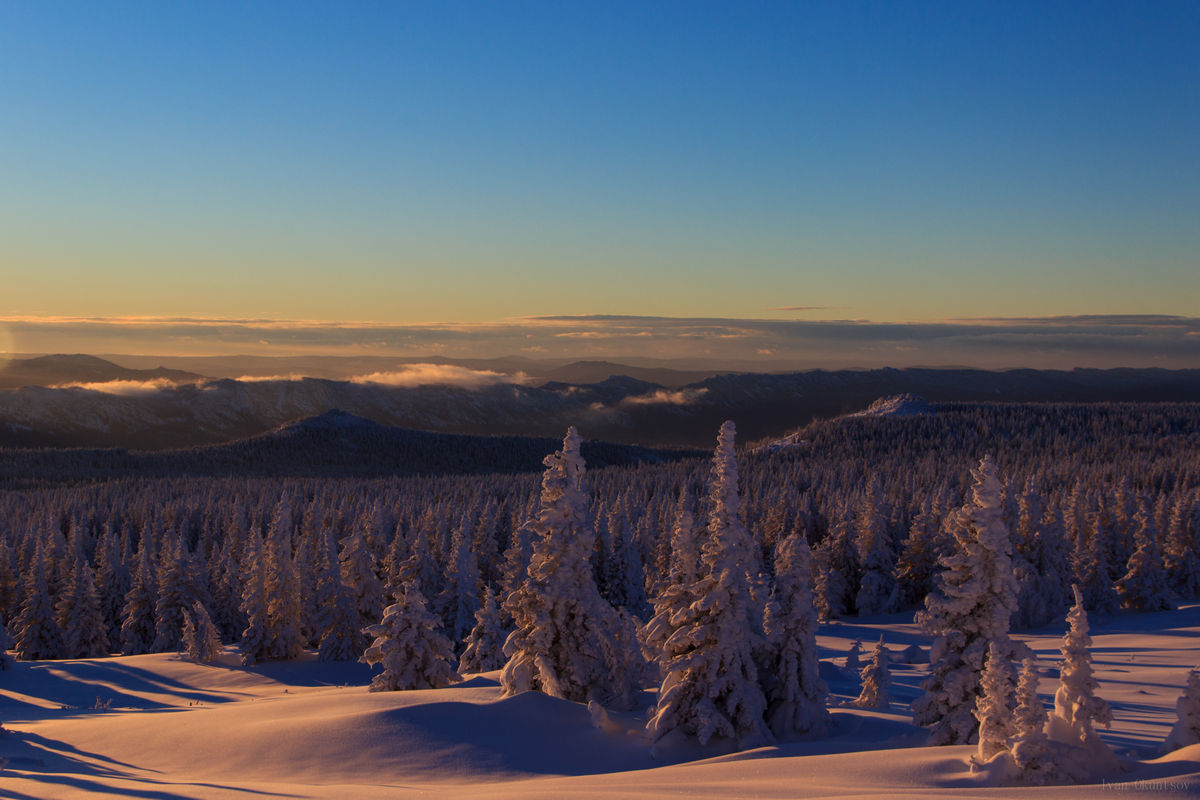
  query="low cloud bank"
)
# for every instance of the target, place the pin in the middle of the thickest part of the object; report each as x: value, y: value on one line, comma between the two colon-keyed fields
x: 438, y: 375
x: 665, y: 397
x: 125, y: 388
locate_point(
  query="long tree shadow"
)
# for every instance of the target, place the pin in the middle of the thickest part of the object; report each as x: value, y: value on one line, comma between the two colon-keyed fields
x: 44, y: 760
x: 84, y: 686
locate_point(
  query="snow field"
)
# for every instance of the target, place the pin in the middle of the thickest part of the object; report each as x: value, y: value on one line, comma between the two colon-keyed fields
x: 304, y: 728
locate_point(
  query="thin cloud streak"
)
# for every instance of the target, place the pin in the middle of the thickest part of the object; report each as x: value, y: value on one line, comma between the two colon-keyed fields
x: 438, y: 375
x: 126, y: 388
x: 1051, y: 342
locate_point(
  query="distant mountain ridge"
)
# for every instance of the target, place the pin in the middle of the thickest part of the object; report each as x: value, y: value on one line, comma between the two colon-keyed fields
x: 619, y: 408
x: 333, y: 444
x: 55, y: 370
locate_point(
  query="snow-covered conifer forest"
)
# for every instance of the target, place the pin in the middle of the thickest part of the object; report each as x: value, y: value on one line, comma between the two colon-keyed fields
x: 1033, y: 571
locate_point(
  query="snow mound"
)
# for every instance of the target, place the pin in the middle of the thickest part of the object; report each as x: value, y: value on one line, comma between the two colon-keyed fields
x: 913, y: 654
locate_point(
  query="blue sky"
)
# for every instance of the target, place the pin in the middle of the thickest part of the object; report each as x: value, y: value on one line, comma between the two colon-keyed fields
x: 434, y: 162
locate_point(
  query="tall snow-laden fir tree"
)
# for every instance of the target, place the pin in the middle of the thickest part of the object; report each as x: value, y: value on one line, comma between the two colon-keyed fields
x: 1181, y: 553
x: 1076, y: 706
x: 357, y: 564
x: 675, y: 596
x: 460, y: 597
x: 113, y: 582
x: 137, y: 615
x: 339, y: 636
x: 711, y: 685
x: 284, y: 619
x: 624, y: 570
x: 410, y: 647
x: 916, y: 565
x: 517, y: 556
x: 484, y: 646
x: 6, y: 644
x: 37, y: 635
x: 10, y: 585
x: 201, y: 642
x: 838, y: 572
x: 85, y: 633
x: 877, y: 589
x: 876, y: 680
x: 1093, y: 565
x: 1055, y: 564
x: 1030, y: 747
x: 971, y: 608
x: 796, y: 694
x: 227, y: 592
x: 1144, y: 586
x: 568, y: 642
x: 1186, y: 731
x: 684, y: 563
x: 177, y: 590
x: 995, y: 704
x: 255, y: 637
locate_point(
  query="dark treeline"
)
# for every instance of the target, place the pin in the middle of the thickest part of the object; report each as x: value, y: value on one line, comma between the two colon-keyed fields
x: 1093, y: 494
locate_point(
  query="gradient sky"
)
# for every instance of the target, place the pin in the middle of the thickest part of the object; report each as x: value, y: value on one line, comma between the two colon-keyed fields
x: 471, y: 162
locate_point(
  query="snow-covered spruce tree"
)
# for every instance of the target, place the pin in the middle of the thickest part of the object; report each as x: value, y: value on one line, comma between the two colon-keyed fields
x: 254, y: 638
x: 1032, y: 610
x: 1030, y: 747
x: 284, y: 637
x: 227, y: 590
x: 6, y: 644
x: 1186, y: 730
x: 878, y: 592
x: 1144, y: 586
x: 1076, y: 706
x: 201, y: 641
x: 137, y: 615
x: 1093, y: 568
x: 1055, y: 562
x: 876, y: 680
x: 460, y: 595
x: 307, y: 543
x: 624, y: 564
x: 1181, y: 553
x: 917, y: 563
x: 711, y: 686
x: 10, y: 585
x: 178, y: 589
x: 994, y: 705
x: 37, y: 635
x: 683, y: 571
x: 408, y: 644
x: 971, y: 608
x: 85, y: 634
x: 357, y: 565
x: 484, y: 649
x: 568, y: 642
x: 339, y: 637
x: 838, y: 571
x: 684, y: 563
x: 796, y: 694
x: 112, y: 583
